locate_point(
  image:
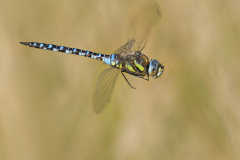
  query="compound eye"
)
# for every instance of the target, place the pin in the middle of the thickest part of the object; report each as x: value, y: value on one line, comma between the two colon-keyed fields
x: 153, y: 67
x: 154, y: 70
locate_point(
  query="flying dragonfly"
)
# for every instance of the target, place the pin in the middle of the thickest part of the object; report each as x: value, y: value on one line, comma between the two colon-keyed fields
x: 127, y: 59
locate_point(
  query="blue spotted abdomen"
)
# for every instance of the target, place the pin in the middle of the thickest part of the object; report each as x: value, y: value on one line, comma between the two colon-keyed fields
x: 102, y: 57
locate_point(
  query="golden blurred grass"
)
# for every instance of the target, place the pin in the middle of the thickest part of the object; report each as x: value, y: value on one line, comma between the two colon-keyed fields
x: 190, y: 112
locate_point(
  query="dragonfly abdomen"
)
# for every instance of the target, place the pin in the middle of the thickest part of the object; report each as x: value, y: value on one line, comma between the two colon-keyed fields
x: 102, y: 57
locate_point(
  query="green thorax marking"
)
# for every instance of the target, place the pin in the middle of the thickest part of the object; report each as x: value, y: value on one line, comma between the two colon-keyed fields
x: 138, y: 65
x: 129, y: 67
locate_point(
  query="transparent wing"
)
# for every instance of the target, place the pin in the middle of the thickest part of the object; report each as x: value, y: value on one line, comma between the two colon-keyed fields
x: 104, y: 88
x: 141, y: 24
x: 125, y: 49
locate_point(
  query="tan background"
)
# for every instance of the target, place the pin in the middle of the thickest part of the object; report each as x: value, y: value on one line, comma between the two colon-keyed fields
x: 191, y: 112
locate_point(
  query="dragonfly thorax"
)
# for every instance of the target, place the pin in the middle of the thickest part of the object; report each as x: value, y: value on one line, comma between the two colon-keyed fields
x: 133, y: 64
x: 155, y: 68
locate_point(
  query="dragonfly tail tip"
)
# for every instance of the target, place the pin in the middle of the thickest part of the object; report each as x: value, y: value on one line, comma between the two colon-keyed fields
x: 24, y: 43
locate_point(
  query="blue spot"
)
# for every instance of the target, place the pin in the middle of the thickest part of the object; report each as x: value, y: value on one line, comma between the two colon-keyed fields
x: 112, y: 57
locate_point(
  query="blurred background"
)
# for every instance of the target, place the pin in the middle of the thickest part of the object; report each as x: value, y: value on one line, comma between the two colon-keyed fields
x: 191, y: 112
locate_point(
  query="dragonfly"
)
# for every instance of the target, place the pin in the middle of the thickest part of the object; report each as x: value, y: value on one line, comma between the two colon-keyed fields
x: 126, y: 59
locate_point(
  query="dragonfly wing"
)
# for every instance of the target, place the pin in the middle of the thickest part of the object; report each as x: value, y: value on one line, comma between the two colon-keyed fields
x: 104, y: 88
x: 126, y: 48
x: 141, y: 24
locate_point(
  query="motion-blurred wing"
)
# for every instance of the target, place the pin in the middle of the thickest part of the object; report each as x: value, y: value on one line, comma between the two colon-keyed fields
x: 104, y: 88
x: 142, y: 23
x: 126, y: 48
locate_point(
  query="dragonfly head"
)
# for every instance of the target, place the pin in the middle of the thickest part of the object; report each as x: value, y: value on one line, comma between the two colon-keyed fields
x: 155, y: 68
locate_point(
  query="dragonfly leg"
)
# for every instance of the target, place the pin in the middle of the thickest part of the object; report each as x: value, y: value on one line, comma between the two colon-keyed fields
x: 139, y: 76
x: 127, y: 80
x: 144, y: 78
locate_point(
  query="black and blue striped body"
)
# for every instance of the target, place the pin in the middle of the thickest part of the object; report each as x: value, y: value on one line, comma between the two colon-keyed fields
x: 75, y: 51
